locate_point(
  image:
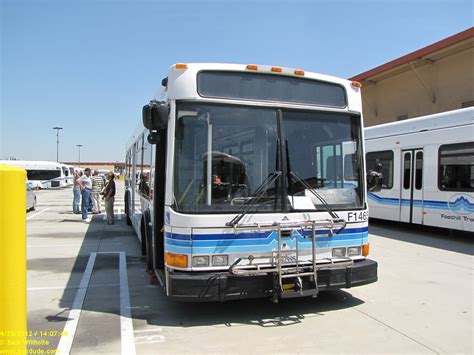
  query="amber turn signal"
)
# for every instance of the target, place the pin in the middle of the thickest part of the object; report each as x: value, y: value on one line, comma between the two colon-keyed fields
x: 177, y: 260
x: 365, y: 249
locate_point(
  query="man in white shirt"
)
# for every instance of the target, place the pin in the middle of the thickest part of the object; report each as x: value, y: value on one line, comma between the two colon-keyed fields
x: 85, y: 184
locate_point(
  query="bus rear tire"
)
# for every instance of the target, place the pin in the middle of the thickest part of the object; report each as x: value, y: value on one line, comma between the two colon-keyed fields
x: 143, y: 238
x: 147, y: 249
x: 127, y: 209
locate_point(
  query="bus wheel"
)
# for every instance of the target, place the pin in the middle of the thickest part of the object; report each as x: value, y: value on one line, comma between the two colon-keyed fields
x: 148, y: 241
x: 127, y: 209
x: 143, y: 237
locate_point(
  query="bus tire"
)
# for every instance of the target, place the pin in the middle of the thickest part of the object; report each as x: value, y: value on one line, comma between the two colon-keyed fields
x: 147, y: 241
x: 127, y: 209
x: 143, y: 238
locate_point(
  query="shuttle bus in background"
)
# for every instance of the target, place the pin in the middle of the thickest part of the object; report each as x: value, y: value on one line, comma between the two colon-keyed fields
x: 236, y: 187
x: 41, y: 174
x: 68, y: 176
x: 427, y: 166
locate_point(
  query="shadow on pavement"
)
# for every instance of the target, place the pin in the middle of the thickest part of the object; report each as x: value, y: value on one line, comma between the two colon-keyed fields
x: 149, y: 302
x: 447, y: 239
x: 257, y: 312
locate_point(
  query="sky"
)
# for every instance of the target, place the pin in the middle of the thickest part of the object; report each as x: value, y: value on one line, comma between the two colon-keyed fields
x: 90, y: 66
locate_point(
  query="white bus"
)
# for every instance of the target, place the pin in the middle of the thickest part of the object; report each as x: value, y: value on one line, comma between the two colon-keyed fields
x: 68, y: 172
x: 237, y: 187
x: 427, y: 170
x: 41, y: 174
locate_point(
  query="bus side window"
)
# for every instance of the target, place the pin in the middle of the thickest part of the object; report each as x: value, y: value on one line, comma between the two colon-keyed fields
x: 456, y: 167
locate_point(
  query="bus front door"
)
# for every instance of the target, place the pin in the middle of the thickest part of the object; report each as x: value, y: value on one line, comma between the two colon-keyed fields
x: 411, y: 192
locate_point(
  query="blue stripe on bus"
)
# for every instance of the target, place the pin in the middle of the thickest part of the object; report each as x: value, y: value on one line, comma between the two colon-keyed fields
x: 256, y: 235
x: 267, y: 244
x: 272, y: 237
x: 460, y: 204
x: 261, y: 248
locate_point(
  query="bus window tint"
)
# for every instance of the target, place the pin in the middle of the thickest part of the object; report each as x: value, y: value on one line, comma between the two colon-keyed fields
x: 240, y: 143
x: 386, y: 159
x: 43, y: 174
x: 419, y: 171
x: 145, y: 186
x: 406, y: 171
x: 456, y: 167
x: 316, y: 144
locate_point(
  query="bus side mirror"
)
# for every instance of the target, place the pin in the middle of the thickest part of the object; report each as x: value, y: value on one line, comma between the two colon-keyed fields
x: 155, y: 116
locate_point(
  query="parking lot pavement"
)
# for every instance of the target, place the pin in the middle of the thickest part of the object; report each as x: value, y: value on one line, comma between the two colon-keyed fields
x: 85, y: 279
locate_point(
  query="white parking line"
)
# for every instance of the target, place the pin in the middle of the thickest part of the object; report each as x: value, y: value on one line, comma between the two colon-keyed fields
x: 33, y: 216
x: 126, y: 324
x: 65, y: 343
x: 68, y: 245
x: 67, y: 287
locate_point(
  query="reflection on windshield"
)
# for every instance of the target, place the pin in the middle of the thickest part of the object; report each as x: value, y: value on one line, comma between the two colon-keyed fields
x: 241, y: 144
x: 224, y: 153
x: 323, y: 151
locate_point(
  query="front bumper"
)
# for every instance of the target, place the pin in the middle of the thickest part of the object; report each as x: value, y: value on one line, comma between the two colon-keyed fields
x: 205, y: 287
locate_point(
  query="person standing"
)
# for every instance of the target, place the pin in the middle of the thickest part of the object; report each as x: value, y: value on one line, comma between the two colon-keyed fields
x: 86, y: 187
x: 97, y: 186
x: 109, y: 197
x: 77, y: 193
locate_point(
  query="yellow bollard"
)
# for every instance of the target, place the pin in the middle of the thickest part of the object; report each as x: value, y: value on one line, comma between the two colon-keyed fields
x: 12, y: 260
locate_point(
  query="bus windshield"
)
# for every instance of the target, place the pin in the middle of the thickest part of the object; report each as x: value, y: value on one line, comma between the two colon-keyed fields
x: 43, y: 174
x: 244, y: 144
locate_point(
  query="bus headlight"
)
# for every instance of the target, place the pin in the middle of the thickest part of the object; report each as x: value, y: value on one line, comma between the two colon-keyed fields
x: 200, y: 260
x: 353, y: 251
x: 339, y: 252
x: 220, y: 260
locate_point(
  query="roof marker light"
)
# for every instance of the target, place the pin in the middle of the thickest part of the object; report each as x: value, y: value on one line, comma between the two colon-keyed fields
x: 181, y: 66
x: 252, y: 67
x: 356, y: 84
x: 276, y: 69
x: 299, y: 72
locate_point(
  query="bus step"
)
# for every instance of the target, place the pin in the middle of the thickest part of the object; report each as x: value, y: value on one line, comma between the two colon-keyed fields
x: 300, y: 287
x: 153, y: 279
x: 303, y: 293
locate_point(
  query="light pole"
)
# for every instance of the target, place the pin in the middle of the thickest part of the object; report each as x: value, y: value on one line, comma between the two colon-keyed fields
x: 79, y: 146
x: 57, y: 142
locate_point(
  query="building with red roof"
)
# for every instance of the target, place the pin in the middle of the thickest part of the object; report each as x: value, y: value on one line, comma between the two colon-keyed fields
x: 436, y: 78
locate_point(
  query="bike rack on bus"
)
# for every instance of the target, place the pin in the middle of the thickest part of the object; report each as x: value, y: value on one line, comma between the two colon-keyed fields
x: 291, y: 269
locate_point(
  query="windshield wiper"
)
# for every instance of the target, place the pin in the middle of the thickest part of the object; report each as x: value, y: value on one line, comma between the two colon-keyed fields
x: 303, y: 182
x: 255, y: 197
x: 321, y: 199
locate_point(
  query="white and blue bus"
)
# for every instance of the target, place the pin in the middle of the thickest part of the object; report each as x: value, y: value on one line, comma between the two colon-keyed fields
x: 427, y: 166
x: 41, y: 174
x: 248, y: 181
